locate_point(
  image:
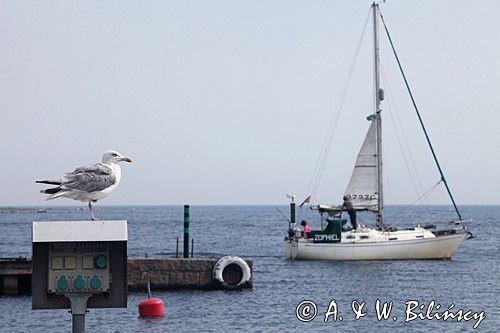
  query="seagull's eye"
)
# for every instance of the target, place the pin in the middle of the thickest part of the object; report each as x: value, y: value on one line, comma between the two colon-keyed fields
x: 115, y: 154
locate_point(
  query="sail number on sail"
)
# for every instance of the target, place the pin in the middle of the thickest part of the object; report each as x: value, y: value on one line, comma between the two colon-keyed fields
x: 362, y: 196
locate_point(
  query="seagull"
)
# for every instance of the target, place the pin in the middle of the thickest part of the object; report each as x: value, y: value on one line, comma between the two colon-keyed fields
x: 88, y: 183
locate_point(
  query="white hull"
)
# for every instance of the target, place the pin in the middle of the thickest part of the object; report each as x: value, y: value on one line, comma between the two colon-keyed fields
x: 442, y: 247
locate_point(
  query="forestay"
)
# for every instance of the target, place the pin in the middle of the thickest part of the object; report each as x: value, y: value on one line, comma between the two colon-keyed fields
x: 363, y: 185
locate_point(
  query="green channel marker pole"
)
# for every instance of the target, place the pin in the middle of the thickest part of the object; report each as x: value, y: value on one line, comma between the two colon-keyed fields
x: 186, y: 231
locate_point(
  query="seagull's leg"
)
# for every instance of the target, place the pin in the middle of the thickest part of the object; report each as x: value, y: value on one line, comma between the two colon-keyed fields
x: 91, y: 211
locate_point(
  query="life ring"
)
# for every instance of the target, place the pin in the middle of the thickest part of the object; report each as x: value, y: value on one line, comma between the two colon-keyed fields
x: 231, y: 272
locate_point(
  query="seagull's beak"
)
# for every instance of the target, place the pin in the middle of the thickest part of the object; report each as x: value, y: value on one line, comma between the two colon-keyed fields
x: 126, y: 159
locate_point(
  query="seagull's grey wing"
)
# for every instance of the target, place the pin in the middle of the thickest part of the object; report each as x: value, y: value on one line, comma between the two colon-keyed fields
x: 91, y: 178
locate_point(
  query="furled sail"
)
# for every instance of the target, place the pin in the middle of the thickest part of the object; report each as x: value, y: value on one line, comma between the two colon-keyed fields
x: 363, y: 186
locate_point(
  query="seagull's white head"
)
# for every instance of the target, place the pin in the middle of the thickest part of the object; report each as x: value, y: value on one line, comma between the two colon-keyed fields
x: 112, y: 156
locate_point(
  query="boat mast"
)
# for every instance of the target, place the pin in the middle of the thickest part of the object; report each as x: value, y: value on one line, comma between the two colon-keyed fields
x: 378, y: 119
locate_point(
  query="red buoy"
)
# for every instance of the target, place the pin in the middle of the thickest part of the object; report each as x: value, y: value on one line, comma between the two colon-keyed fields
x: 151, y: 307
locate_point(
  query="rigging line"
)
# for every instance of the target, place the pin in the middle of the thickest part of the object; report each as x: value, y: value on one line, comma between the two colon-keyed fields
x: 406, y: 211
x: 419, y: 200
x: 397, y: 134
x: 387, y: 184
x: 410, y: 154
x: 323, y: 156
x: 283, y: 215
x: 420, y: 119
x: 338, y: 109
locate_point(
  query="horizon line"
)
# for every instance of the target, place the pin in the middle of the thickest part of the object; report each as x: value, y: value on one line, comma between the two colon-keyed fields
x: 219, y: 205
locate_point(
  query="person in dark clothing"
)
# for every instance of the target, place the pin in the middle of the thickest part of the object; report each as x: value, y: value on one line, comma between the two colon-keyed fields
x: 349, y: 207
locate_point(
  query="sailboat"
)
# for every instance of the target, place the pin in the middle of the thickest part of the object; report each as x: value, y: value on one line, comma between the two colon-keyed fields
x: 365, y: 190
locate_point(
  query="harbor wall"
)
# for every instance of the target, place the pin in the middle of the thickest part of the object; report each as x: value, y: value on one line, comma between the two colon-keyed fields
x: 163, y: 273
x: 174, y: 273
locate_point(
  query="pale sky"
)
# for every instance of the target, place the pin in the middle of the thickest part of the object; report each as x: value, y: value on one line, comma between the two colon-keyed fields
x: 228, y: 102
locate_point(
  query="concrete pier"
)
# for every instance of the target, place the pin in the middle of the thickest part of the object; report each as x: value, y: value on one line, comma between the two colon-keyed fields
x: 174, y: 273
x: 15, y: 276
x: 164, y: 274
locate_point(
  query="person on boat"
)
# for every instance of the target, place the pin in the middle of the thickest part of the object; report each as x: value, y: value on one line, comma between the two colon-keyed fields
x: 307, y: 228
x: 349, y: 207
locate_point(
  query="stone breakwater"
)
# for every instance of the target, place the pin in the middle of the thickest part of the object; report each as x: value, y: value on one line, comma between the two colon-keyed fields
x: 164, y: 274
x: 174, y: 273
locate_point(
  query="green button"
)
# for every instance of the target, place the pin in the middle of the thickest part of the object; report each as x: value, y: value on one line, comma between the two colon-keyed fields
x: 101, y: 262
x: 79, y: 282
x: 95, y: 283
x: 62, y: 283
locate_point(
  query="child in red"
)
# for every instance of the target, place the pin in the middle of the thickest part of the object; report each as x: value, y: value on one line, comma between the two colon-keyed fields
x: 306, y: 228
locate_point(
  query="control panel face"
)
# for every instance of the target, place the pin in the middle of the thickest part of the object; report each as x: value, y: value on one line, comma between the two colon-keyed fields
x: 78, y: 267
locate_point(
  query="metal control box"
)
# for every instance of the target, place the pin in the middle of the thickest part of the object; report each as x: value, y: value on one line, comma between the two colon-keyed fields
x: 78, y: 267
x: 73, y: 258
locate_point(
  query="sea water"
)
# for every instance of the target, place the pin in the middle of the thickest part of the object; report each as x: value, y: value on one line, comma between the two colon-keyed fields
x: 468, y: 282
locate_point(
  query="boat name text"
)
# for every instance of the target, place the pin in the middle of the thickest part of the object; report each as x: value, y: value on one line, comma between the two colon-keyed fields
x: 326, y: 237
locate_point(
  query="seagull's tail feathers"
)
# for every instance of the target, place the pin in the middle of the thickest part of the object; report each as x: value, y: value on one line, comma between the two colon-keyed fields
x: 55, y: 192
x: 57, y: 195
x: 52, y: 190
x: 50, y: 182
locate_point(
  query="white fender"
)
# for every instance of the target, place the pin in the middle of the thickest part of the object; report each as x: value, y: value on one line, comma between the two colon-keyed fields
x: 226, y: 261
